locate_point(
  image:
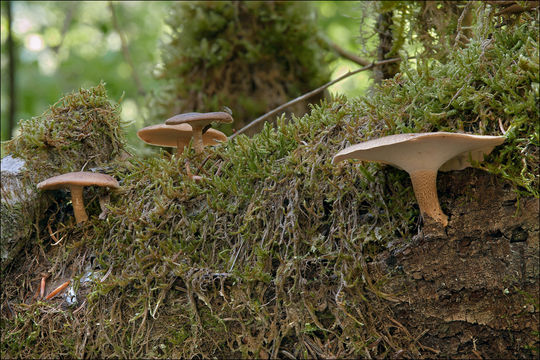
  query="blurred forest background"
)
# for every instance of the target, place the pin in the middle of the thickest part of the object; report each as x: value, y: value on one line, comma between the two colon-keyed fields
x: 60, y: 46
x: 162, y: 58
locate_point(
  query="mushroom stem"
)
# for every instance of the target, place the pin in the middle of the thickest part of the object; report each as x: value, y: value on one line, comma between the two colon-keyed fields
x: 78, y: 203
x: 424, y: 184
x: 179, y: 147
x: 198, y: 144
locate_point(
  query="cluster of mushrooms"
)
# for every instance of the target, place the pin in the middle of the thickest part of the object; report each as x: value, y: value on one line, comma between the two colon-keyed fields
x: 177, y: 132
x: 421, y: 155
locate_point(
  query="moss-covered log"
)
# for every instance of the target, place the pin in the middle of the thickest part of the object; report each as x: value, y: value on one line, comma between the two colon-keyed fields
x: 277, y: 252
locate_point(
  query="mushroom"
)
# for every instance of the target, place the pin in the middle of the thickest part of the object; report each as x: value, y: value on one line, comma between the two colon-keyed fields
x: 75, y: 181
x: 177, y: 136
x: 199, y: 122
x: 422, y: 155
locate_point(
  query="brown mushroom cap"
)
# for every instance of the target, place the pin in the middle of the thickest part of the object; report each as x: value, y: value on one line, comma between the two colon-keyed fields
x: 81, y: 178
x: 422, y: 155
x: 172, y: 135
x: 75, y: 181
x: 200, y: 119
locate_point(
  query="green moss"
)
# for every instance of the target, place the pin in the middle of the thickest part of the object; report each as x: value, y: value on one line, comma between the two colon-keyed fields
x: 248, y: 56
x: 268, y: 253
x: 82, y: 129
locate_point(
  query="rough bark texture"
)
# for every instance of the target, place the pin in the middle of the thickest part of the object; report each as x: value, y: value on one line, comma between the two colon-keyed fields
x: 384, y: 51
x: 474, y: 285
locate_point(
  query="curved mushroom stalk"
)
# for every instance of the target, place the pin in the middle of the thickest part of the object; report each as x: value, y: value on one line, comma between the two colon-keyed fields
x: 179, y: 136
x: 199, y: 121
x: 425, y: 190
x: 78, y: 203
x: 75, y: 182
x: 179, y: 146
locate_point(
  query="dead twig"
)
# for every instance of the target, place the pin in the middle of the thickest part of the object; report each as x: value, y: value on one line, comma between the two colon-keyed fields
x: 57, y: 290
x: 190, y: 174
x: 80, y: 307
x: 311, y: 93
x: 44, y: 277
x: 106, y: 275
x: 502, y: 127
x: 346, y: 54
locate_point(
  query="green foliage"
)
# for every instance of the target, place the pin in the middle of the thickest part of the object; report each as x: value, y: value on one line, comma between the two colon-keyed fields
x: 79, y: 48
x: 229, y: 53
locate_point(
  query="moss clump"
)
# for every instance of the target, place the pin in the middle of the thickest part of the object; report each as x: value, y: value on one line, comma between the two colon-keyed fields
x: 267, y: 255
x: 82, y: 129
x: 248, y: 56
x: 489, y: 87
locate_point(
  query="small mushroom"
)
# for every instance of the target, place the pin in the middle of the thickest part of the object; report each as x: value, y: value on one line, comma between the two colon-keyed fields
x: 199, y: 122
x: 422, y: 155
x: 177, y: 136
x: 75, y: 181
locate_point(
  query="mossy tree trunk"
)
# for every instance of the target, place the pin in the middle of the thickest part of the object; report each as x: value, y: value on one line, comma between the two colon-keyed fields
x: 384, y: 26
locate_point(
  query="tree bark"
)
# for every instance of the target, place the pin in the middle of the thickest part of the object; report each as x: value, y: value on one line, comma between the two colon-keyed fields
x: 386, y: 39
x: 471, y: 287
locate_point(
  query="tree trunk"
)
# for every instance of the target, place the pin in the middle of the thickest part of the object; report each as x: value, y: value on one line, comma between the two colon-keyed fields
x: 384, y: 29
x: 11, y: 75
x: 470, y: 286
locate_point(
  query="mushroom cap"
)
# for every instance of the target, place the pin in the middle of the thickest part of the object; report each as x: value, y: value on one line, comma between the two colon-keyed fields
x: 423, y: 151
x: 167, y: 135
x: 80, y: 178
x: 200, y: 119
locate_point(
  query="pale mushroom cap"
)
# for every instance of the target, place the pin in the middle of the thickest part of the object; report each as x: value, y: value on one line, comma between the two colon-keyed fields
x: 81, y: 178
x: 421, y: 151
x: 168, y: 135
x: 200, y: 119
x: 213, y: 137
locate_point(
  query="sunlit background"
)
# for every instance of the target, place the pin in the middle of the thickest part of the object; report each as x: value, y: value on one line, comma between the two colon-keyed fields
x: 64, y: 45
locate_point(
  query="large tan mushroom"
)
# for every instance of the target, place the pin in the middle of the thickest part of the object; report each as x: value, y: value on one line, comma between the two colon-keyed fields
x: 199, y: 122
x: 422, y: 155
x: 75, y: 182
x: 177, y: 136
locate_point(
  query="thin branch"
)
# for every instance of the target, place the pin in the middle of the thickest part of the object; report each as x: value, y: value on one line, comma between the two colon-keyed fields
x: 311, y: 93
x: 465, y: 13
x: 125, y: 50
x: 346, y: 54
